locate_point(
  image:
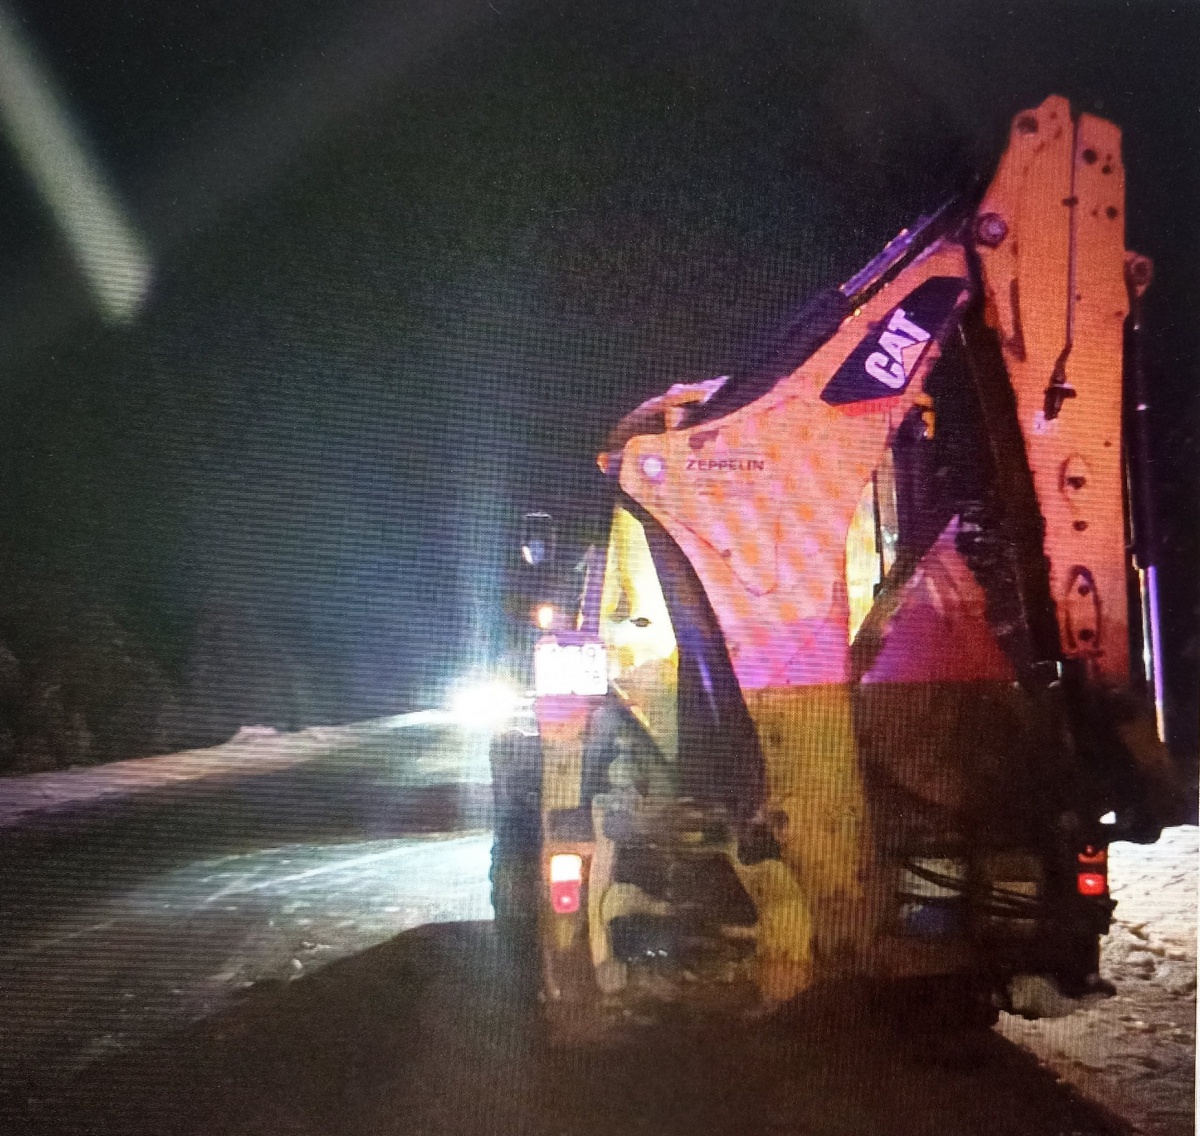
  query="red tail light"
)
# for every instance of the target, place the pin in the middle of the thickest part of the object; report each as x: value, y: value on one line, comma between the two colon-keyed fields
x: 1091, y: 883
x: 1092, y: 876
x: 566, y: 883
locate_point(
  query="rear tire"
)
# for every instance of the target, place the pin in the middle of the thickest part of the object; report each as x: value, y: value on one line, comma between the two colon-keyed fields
x: 948, y: 1006
x: 516, y: 846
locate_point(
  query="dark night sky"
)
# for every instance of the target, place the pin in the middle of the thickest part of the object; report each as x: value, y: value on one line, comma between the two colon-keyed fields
x: 413, y: 259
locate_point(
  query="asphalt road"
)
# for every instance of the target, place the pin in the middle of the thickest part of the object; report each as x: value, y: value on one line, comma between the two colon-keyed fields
x: 310, y: 951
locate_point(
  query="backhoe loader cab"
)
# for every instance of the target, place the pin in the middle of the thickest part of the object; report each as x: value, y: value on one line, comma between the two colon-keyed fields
x: 849, y: 696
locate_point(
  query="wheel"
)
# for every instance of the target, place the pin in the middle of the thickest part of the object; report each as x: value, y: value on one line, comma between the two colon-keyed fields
x: 514, y: 878
x: 946, y: 1005
x: 516, y: 844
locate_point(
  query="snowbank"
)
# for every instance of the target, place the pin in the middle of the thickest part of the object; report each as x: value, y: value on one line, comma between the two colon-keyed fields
x: 1135, y: 1053
x: 255, y: 749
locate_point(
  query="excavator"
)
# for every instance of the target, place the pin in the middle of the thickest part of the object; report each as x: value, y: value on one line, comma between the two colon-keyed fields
x: 867, y: 677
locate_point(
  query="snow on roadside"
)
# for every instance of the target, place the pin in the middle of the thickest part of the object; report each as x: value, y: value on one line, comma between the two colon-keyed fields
x: 1135, y: 1053
x: 255, y: 749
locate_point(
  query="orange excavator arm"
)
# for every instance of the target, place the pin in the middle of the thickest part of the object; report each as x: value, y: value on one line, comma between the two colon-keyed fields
x: 1007, y: 519
x: 1050, y: 232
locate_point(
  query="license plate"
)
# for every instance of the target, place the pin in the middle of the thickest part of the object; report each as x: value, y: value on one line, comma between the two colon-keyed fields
x: 569, y: 668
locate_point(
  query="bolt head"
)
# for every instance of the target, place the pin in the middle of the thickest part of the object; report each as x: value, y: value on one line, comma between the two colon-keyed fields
x: 653, y: 467
x: 990, y: 229
x: 1141, y: 272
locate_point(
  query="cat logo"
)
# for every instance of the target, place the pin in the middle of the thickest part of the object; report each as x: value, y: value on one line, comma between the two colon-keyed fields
x: 885, y: 360
x: 903, y: 345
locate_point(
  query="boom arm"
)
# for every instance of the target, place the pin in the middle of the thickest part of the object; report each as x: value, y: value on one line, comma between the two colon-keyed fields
x: 761, y: 480
x: 1050, y: 234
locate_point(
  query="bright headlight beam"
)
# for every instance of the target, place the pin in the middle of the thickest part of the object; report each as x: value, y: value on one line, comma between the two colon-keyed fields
x: 109, y: 250
x: 485, y: 705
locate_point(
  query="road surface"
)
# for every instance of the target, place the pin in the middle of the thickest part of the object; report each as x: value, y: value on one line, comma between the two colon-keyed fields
x: 306, y: 947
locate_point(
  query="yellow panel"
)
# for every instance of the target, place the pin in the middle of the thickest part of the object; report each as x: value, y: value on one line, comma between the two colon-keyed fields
x: 815, y: 794
x: 637, y: 631
x: 944, y: 747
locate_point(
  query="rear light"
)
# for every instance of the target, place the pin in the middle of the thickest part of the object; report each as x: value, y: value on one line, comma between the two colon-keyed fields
x: 566, y: 883
x: 1091, y: 883
x: 1092, y: 872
